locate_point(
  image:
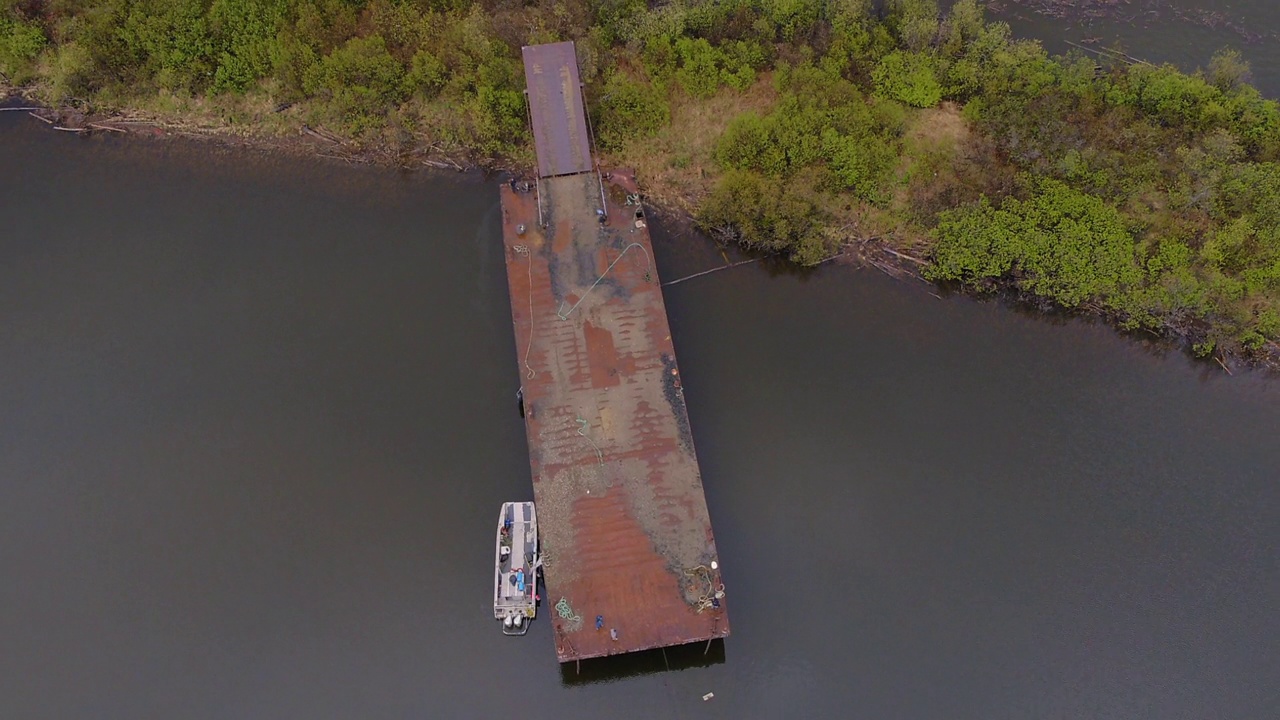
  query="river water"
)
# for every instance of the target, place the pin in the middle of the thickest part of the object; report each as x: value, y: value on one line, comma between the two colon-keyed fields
x: 257, y: 417
x: 1184, y: 32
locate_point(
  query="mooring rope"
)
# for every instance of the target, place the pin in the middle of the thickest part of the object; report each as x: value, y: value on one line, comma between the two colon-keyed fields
x: 706, y: 600
x: 528, y: 256
x: 566, y: 611
x: 648, y: 273
x: 582, y: 425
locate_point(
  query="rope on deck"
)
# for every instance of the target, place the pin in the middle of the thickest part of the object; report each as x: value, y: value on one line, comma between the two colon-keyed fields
x: 572, y: 620
x: 648, y: 273
x: 523, y: 250
x: 582, y: 425
x: 713, y: 592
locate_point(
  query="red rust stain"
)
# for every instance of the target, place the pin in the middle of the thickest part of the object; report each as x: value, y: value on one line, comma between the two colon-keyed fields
x: 602, y: 356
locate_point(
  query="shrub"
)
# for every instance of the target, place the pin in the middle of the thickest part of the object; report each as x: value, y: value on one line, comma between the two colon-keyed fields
x: 1060, y: 243
x: 427, y: 74
x: 699, y: 71
x: 20, y: 44
x: 70, y: 72
x: 748, y: 143
x: 909, y: 78
x: 915, y: 22
x: 173, y: 40
x: 779, y: 144
x: 860, y: 164
x: 629, y: 109
x: 247, y: 32
x: 360, y: 80
x: 767, y: 214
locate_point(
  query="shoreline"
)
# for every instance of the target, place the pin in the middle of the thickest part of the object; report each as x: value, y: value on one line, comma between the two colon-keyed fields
x: 307, y: 142
x: 858, y: 252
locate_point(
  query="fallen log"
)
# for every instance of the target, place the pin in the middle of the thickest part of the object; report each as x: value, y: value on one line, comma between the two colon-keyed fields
x: 1224, y: 365
x: 714, y: 269
x: 904, y: 256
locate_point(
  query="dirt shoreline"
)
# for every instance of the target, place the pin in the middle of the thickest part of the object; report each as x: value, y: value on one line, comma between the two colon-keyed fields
x: 313, y: 142
x: 307, y: 142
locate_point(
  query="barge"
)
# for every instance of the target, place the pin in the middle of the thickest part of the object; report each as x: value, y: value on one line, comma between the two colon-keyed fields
x: 628, y: 556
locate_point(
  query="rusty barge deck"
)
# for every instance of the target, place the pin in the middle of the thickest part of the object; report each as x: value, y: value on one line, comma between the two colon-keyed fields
x: 625, y: 533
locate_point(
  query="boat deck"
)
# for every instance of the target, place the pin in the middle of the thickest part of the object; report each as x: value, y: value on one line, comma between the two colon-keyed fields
x: 625, y: 532
x: 516, y: 574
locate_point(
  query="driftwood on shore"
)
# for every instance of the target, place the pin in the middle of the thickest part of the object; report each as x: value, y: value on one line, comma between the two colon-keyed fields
x: 443, y: 166
x: 1110, y: 54
x: 904, y: 256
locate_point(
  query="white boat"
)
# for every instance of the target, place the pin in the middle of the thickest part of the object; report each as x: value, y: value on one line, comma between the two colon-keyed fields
x: 515, y: 583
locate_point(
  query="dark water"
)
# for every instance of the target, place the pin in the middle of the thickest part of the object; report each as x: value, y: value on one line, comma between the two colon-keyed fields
x: 256, y: 419
x: 1152, y: 30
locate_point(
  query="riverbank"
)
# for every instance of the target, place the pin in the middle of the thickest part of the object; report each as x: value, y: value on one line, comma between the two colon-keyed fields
x: 288, y: 136
x: 932, y: 146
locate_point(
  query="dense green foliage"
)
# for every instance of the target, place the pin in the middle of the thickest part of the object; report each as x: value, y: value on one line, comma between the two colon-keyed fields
x: 1059, y: 243
x: 20, y: 44
x: 768, y: 214
x: 1147, y: 193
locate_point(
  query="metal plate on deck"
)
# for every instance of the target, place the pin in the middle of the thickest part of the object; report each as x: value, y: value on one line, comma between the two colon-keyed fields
x: 554, y: 89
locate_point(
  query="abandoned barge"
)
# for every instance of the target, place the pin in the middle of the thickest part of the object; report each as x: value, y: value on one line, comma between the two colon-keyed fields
x: 628, y: 556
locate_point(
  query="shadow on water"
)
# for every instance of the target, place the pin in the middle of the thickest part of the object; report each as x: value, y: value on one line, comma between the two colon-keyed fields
x: 649, y: 662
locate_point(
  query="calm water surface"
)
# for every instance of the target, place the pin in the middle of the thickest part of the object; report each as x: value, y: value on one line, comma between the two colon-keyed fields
x: 1151, y: 30
x: 256, y: 419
